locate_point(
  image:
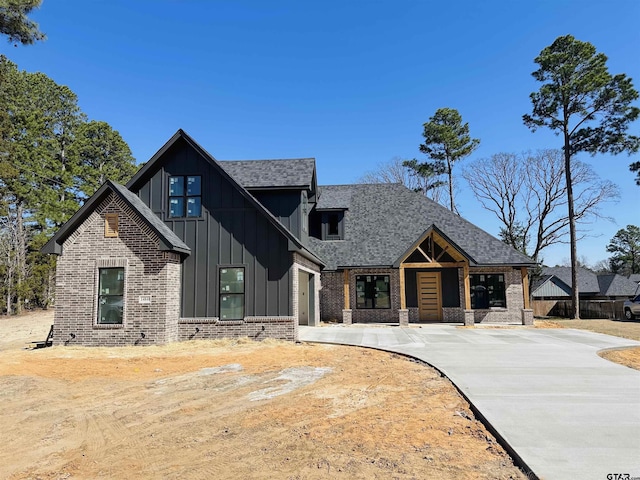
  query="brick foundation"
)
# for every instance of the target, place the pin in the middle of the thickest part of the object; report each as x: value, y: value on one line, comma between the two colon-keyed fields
x: 256, y: 328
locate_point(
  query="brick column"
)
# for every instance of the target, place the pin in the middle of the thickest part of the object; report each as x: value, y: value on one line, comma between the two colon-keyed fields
x: 403, y: 315
x: 346, y: 317
x: 527, y: 316
x: 468, y: 318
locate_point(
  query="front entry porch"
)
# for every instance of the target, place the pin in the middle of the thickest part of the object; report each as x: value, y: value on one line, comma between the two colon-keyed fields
x: 438, y: 284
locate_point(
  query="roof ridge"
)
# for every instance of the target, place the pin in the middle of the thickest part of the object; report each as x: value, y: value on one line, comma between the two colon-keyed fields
x: 296, y: 159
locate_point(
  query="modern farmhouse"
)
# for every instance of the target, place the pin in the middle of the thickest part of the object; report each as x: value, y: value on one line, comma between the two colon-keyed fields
x: 195, y: 248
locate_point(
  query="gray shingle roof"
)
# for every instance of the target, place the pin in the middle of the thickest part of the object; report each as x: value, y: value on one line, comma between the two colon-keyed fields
x: 613, y: 285
x: 587, y: 280
x: 337, y: 197
x: 384, y: 221
x: 635, y: 277
x: 296, y: 172
x: 589, y: 283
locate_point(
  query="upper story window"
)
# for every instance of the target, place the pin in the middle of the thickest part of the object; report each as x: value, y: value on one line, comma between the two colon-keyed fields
x: 333, y: 225
x: 185, y: 196
x: 488, y: 290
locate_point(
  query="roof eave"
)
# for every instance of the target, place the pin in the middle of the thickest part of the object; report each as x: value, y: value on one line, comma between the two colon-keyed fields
x: 54, y: 245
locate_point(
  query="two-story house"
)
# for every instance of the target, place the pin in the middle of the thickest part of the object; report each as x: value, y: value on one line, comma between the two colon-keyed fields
x: 196, y: 248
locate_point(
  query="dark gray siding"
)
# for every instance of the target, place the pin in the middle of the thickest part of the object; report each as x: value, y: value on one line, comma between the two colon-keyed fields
x: 231, y: 232
x: 285, y: 205
x: 450, y: 287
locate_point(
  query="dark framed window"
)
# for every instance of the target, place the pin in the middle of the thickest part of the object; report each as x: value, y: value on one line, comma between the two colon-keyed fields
x: 185, y: 196
x: 333, y: 225
x: 488, y: 290
x: 232, y: 293
x: 110, y: 295
x: 373, y: 291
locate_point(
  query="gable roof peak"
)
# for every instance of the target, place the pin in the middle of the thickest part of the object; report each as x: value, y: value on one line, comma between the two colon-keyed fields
x: 169, y: 241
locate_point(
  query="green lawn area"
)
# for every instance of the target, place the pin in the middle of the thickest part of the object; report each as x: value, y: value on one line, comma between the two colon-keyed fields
x: 619, y: 328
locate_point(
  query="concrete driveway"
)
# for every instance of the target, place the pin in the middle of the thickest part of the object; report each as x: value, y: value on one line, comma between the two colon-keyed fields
x: 566, y: 412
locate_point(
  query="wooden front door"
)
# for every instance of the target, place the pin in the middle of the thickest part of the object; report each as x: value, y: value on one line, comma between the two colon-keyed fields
x: 429, y: 296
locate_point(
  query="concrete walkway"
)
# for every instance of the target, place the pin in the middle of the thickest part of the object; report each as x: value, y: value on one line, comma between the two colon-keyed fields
x: 566, y: 412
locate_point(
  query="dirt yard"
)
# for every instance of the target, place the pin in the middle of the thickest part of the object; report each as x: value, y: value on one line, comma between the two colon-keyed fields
x: 629, y: 357
x: 231, y: 410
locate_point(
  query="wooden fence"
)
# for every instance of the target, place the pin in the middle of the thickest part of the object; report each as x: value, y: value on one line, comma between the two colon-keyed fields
x: 611, y: 309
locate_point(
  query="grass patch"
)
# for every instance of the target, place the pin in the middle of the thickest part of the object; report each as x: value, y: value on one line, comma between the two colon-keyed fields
x: 618, y: 328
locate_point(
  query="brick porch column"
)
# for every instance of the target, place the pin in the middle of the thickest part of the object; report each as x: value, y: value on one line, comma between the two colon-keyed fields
x: 403, y: 315
x: 468, y: 318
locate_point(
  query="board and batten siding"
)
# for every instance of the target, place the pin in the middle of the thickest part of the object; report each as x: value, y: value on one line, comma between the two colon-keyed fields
x: 230, y: 232
x: 551, y: 289
x: 285, y: 206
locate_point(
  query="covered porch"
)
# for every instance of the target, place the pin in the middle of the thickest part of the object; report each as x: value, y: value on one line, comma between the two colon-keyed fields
x: 438, y: 282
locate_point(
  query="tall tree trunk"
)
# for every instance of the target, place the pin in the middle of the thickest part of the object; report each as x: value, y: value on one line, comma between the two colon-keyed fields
x: 51, y: 285
x: 452, y: 207
x: 9, y: 285
x: 21, y: 255
x: 575, y: 299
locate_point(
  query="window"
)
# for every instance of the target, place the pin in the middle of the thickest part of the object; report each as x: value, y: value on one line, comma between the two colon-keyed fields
x: 111, y: 225
x: 332, y: 225
x: 334, y: 222
x: 487, y: 290
x: 372, y: 291
x: 185, y: 196
x: 110, y: 295
x: 232, y: 293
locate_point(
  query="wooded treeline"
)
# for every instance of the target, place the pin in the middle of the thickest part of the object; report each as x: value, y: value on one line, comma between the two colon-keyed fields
x: 52, y: 158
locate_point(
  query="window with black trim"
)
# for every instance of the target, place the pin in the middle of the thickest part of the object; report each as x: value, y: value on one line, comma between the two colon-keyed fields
x: 232, y: 293
x: 110, y: 295
x: 333, y: 225
x: 488, y: 290
x: 372, y: 291
x: 185, y: 196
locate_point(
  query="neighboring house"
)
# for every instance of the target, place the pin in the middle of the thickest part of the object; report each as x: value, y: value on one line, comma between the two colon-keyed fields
x: 635, y: 277
x: 194, y: 248
x: 554, y: 286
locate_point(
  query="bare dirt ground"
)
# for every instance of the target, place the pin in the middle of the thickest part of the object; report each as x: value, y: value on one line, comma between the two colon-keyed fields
x: 629, y: 357
x: 231, y: 409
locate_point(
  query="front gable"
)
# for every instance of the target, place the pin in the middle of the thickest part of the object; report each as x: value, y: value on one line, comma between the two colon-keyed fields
x: 432, y: 249
x: 231, y: 229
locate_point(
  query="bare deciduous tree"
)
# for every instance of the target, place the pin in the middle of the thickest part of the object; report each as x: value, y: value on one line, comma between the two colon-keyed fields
x: 528, y: 194
x: 395, y: 171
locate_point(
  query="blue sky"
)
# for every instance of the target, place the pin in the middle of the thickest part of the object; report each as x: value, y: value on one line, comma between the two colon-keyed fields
x: 347, y: 82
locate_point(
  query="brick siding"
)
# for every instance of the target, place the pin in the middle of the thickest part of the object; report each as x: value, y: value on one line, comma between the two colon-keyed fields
x: 148, y: 272
x: 332, y: 297
x: 256, y: 328
x: 512, y: 314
